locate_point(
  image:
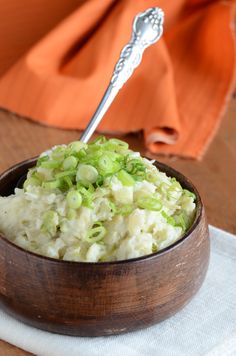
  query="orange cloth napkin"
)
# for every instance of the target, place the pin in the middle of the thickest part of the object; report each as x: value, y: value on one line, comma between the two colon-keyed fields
x: 176, y: 96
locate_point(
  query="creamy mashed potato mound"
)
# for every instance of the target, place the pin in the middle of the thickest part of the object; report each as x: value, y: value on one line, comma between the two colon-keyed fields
x: 96, y: 202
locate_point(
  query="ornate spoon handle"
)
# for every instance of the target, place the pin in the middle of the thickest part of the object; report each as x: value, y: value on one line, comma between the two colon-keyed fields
x: 147, y: 29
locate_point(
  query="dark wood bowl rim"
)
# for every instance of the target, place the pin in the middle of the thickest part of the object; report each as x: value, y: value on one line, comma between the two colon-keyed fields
x: 157, y: 254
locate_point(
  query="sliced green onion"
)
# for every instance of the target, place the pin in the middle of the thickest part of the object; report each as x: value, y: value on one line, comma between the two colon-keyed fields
x: 50, y: 222
x: 170, y: 220
x: 189, y: 194
x: 53, y: 184
x: 182, y: 220
x: 66, y: 174
x: 117, y: 142
x: 68, y: 182
x: 50, y: 164
x: 113, y: 207
x: 81, y: 154
x: 92, y: 158
x: 97, y: 223
x: 154, y: 247
x: 98, y: 140
x: 36, y: 175
x: 86, y: 173
x: 114, y: 156
x: 94, y: 149
x: 174, y: 190
x: 90, y: 188
x: 31, y: 181
x: 76, y: 146
x: 116, y: 145
x: 70, y: 163
x: 163, y: 187
x: 74, y: 199
x: 125, y: 178
x: 87, y: 196
x: 71, y: 214
x: 149, y: 203
x: 151, y: 176
x: 58, y: 153
x: 107, y: 164
x: 176, y: 185
x: 96, y: 234
x: 125, y: 210
x: 99, y: 181
x: 42, y: 159
x: 135, y: 166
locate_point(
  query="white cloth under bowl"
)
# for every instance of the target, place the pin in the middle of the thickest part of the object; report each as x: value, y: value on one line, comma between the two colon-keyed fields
x: 206, y: 326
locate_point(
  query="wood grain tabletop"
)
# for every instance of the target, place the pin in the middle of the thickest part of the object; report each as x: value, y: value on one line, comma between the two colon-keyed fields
x: 214, y: 175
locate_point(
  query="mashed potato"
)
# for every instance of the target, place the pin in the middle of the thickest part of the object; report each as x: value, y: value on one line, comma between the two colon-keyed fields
x: 96, y: 202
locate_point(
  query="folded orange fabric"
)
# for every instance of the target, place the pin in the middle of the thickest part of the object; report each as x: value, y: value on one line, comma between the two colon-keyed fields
x: 176, y: 96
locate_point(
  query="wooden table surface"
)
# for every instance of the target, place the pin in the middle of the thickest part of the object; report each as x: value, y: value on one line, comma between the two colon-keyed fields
x: 214, y: 176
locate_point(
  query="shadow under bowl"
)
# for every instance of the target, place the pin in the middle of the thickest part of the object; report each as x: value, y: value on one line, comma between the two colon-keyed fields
x: 94, y: 299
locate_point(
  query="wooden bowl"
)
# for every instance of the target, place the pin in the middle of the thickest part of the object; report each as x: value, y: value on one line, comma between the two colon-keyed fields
x: 93, y: 299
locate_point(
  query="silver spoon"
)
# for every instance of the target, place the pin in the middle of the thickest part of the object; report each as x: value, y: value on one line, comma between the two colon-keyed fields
x: 147, y: 29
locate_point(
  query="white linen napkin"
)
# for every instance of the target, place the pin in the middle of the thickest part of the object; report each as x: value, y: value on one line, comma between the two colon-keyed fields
x: 206, y: 326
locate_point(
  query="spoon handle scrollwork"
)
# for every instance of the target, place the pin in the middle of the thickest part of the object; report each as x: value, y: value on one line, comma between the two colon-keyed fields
x: 147, y: 29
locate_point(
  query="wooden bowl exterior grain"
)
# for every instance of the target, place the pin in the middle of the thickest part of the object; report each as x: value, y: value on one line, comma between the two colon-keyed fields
x: 94, y: 299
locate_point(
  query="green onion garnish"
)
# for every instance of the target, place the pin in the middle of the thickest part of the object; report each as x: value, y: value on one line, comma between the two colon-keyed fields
x: 50, y: 222
x: 76, y: 146
x: 74, y: 199
x: 42, y: 159
x: 70, y: 163
x: 31, y: 181
x: 66, y: 174
x: 67, y: 180
x: 125, y: 178
x: 86, y: 174
x: 58, y: 153
x: 170, y: 220
x: 149, y: 203
x: 182, y: 220
x: 71, y: 214
x: 50, y: 164
x: 86, y: 195
x: 107, y: 165
x: 95, y: 234
x: 53, y: 184
x: 125, y: 210
x: 189, y: 194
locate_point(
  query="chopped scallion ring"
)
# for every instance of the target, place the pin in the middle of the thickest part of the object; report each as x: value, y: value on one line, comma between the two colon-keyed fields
x: 96, y: 234
x: 106, y: 165
x: 125, y: 178
x: 70, y: 163
x: 58, y: 153
x: 74, y: 199
x: 86, y: 173
x: 189, y: 194
x: 50, y: 164
x: 54, y: 184
x: 50, y: 222
x: 76, y: 146
x: 170, y: 220
x: 66, y: 174
x: 149, y: 203
x: 125, y: 210
x: 31, y: 181
x: 98, y: 140
x: 71, y: 214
